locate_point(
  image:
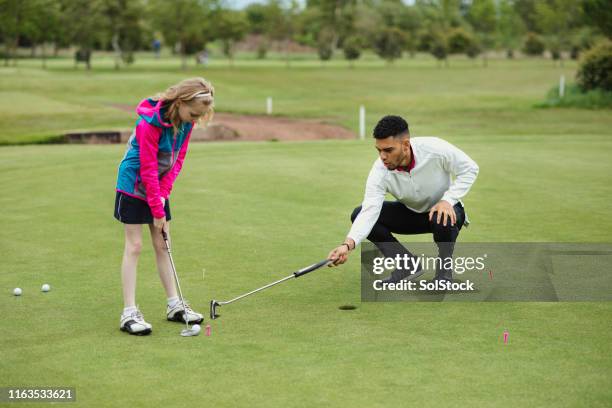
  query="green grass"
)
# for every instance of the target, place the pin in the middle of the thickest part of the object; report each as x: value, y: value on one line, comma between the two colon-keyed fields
x: 575, y: 98
x: 37, y: 105
x: 248, y: 213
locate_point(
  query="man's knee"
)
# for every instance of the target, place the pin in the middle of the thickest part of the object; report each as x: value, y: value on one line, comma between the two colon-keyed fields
x: 355, y: 213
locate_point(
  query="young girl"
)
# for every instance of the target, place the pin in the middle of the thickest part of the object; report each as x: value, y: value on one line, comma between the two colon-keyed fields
x: 153, y: 160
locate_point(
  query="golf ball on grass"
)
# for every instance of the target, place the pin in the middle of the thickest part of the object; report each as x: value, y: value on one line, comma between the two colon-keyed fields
x: 17, y: 291
x: 196, y: 328
x: 45, y: 287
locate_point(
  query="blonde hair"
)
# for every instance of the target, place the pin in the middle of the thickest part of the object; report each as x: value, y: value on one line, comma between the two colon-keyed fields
x: 192, y: 90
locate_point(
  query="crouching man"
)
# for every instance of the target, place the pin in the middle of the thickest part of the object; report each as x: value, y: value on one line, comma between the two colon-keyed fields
x: 428, y: 178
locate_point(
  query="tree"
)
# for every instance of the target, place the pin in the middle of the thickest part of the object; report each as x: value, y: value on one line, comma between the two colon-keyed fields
x: 583, y: 39
x: 83, y: 20
x: 482, y: 16
x: 406, y: 18
x: 262, y: 20
x: 598, y: 13
x: 184, y: 23
x: 337, y: 17
x: 257, y: 18
x: 425, y: 40
x: 440, y: 15
x: 307, y: 25
x: 510, y: 27
x: 526, y: 9
x: 439, y: 48
x: 410, y: 23
x: 459, y: 41
x: 595, y: 69
x: 367, y: 23
x: 262, y: 49
x: 229, y: 26
x: 352, y: 49
x: 534, y: 46
x: 556, y: 19
x: 439, y: 18
x: 124, y: 26
x: 391, y: 12
x: 473, y: 49
x: 45, y: 21
x: 324, y: 44
x: 450, y: 12
x: 281, y: 23
x: 15, y: 22
x: 389, y: 44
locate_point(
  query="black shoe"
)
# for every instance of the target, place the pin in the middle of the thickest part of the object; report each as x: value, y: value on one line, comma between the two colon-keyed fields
x: 401, y: 274
x: 444, y: 274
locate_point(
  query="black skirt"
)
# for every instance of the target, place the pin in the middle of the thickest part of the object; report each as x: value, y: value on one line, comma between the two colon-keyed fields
x: 131, y: 210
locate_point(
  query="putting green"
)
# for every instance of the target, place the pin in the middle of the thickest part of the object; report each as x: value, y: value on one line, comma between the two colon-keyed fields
x: 247, y: 214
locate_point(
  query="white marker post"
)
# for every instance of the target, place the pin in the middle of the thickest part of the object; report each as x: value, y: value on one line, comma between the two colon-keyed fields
x: 362, y: 114
x: 269, y: 105
x: 561, y: 86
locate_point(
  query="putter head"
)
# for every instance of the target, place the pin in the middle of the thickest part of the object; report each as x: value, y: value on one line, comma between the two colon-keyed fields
x: 213, y: 309
x: 189, y: 332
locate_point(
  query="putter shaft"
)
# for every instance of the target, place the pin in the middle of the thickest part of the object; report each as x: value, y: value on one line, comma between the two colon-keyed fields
x: 296, y: 274
x: 178, y: 285
x: 256, y: 290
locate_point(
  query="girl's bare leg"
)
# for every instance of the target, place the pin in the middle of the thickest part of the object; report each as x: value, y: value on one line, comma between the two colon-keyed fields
x: 163, y: 262
x: 133, y: 247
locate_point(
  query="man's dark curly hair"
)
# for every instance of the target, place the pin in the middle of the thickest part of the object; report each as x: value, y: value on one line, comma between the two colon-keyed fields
x: 390, y: 126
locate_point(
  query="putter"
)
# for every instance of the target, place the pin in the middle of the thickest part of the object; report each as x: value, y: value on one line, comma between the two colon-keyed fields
x: 215, y: 303
x: 187, y: 332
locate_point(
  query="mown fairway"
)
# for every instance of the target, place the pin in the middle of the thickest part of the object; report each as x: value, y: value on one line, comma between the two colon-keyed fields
x: 246, y: 214
x: 465, y: 99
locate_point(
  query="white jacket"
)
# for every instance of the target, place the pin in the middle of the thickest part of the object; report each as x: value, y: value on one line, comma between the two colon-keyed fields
x: 441, y: 172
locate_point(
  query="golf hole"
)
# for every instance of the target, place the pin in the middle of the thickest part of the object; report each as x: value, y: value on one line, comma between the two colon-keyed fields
x: 347, y: 307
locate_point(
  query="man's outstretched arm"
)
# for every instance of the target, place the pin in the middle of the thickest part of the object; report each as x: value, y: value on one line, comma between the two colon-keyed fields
x: 367, y: 217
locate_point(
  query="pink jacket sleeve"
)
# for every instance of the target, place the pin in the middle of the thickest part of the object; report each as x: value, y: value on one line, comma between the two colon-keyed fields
x: 166, y: 183
x: 148, y: 139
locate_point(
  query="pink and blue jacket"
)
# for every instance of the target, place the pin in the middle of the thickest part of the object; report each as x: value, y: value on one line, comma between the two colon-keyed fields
x: 154, y: 156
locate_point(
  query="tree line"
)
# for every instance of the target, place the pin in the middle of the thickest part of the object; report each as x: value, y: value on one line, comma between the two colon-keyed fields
x: 390, y: 28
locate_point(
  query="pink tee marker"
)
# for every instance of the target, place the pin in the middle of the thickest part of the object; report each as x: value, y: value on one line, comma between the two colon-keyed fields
x: 208, y: 330
x: 506, y: 336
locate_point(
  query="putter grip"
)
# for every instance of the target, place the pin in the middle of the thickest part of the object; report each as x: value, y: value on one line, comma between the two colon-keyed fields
x: 164, y: 235
x: 310, y: 268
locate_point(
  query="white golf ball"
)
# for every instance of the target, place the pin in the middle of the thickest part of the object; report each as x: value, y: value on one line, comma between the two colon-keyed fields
x: 17, y: 291
x: 45, y: 287
x: 196, y: 328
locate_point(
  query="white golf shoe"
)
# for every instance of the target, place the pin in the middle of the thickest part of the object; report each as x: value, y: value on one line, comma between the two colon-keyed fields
x: 134, y: 323
x: 176, y: 314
